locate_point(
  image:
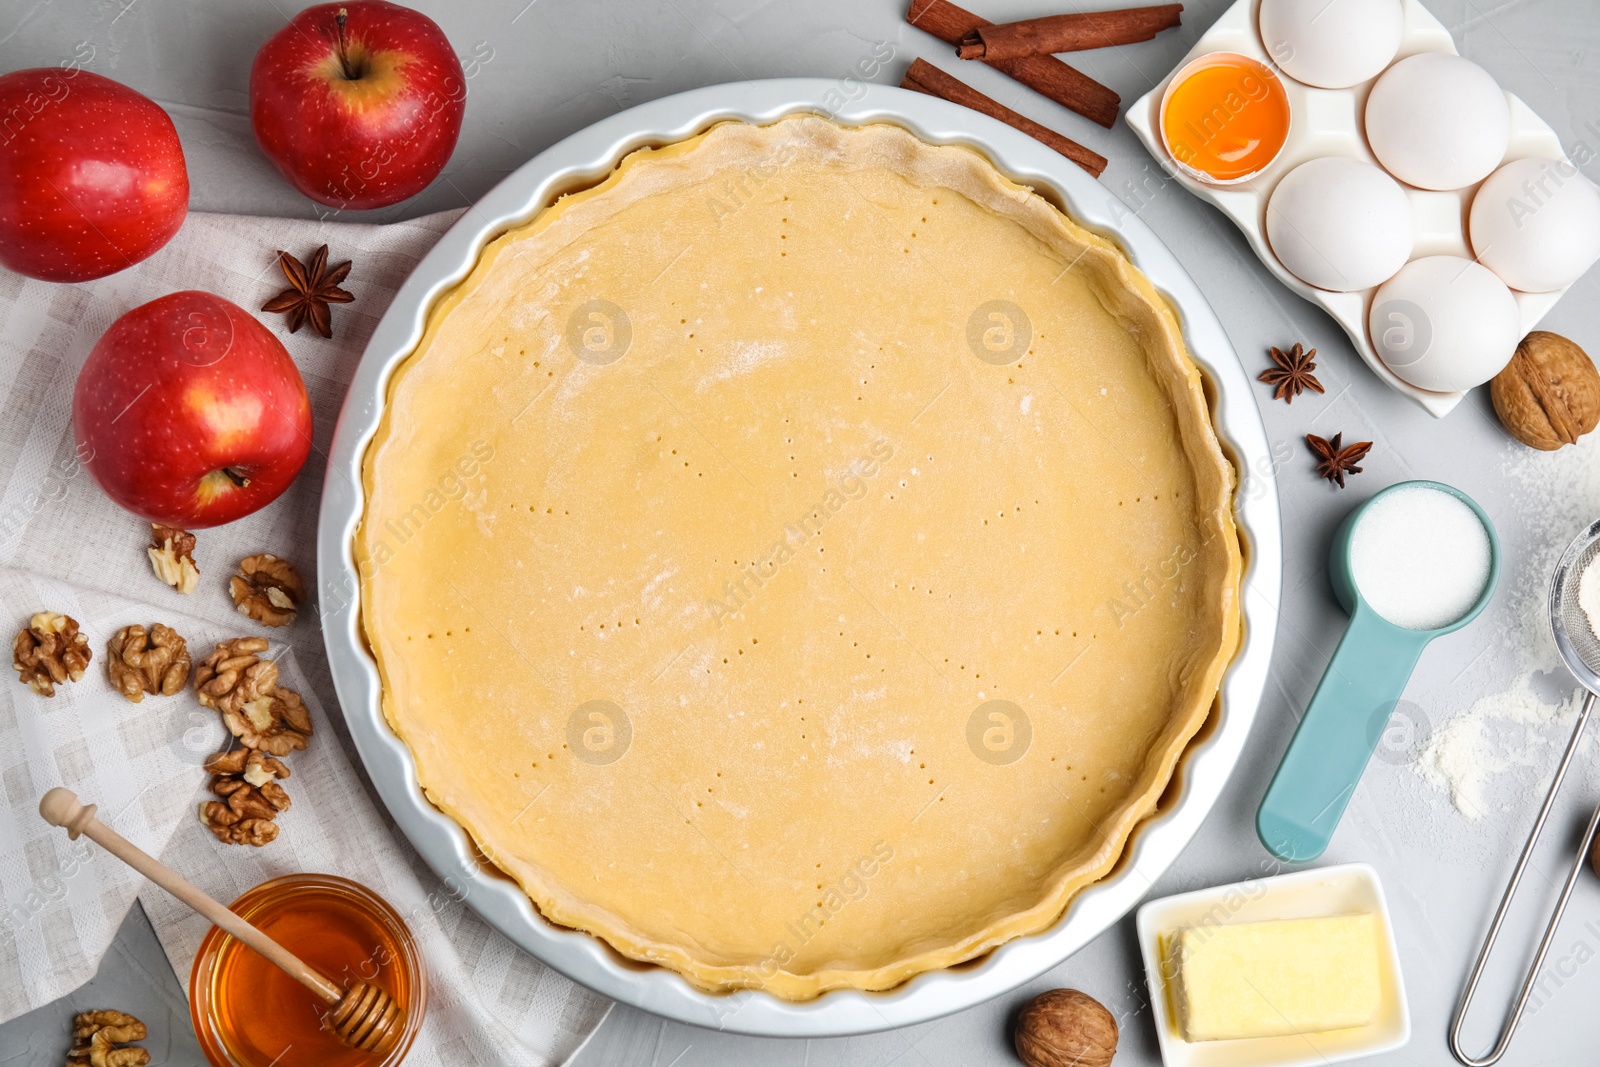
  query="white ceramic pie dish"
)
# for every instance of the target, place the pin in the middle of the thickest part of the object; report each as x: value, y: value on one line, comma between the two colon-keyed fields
x: 582, y: 160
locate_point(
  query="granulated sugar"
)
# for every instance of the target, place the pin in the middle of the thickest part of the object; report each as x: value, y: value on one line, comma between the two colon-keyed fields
x: 1420, y: 557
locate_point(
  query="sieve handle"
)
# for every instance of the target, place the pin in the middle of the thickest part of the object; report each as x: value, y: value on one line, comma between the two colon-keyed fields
x: 1509, y: 1027
x: 1336, y: 737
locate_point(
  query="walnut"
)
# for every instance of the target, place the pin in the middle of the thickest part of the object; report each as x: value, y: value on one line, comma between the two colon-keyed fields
x: 249, y: 764
x: 267, y: 589
x: 1065, y: 1028
x: 236, y: 681
x: 1549, y: 394
x: 172, y: 556
x: 153, y: 663
x: 248, y: 801
x: 235, y: 671
x: 278, y: 724
x: 50, y: 650
x: 232, y: 829
x: 97, y: 1035
x: 246, y: 779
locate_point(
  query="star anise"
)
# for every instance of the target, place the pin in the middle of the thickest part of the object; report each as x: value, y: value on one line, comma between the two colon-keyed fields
x: 1292, y: 375
x: 1335, y: 461
x: 311, y: 290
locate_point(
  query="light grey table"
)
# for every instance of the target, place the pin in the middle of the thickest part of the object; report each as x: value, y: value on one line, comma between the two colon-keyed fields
x: 541, y: 69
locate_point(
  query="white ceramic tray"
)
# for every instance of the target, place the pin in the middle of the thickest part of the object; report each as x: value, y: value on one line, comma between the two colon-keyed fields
x: 1323, y: 891
x: 1327, y: 122
x: 584, y: 159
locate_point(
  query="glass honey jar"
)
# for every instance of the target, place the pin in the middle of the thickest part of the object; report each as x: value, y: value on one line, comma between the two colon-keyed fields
x: 248, y: 1013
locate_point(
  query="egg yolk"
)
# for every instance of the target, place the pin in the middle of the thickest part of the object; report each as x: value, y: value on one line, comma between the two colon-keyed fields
x: 1227, y: 119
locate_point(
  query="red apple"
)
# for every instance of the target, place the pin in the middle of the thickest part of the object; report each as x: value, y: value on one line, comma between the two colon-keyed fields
x: 92, y: 178
x: 359, y: 104
x: 190, y: 413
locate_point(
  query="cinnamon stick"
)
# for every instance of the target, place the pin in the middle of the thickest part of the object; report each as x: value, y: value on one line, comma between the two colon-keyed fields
x: 1046, y: 75
x: 1068, y: 33
x: 924, y: 77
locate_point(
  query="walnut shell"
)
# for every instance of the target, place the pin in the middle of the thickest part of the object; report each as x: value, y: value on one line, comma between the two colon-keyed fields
x: 1549, y: 394
x: 1065, y: 1028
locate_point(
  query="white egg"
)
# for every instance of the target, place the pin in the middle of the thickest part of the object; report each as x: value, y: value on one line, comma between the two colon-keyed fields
x: 1438, y: 121
x: 1536, y: 223
x: 1444, y: 323
x: 1333, y: 44
x: 1340, y: 224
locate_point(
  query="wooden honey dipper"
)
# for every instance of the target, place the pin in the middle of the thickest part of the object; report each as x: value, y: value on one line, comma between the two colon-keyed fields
x: 363, y: 1016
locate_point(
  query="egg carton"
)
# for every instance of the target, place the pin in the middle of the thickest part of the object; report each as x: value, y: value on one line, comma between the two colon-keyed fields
x: 1327, y: 122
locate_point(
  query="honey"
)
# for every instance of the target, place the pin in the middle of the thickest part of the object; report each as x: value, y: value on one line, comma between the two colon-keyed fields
x: 248, y: 1013
x: 1225, y: 117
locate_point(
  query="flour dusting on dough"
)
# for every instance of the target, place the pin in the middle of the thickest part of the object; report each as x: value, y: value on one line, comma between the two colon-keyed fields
x: 745, y: 357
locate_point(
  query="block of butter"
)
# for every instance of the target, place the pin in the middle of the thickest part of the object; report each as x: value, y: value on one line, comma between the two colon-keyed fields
x: 1266, y: 979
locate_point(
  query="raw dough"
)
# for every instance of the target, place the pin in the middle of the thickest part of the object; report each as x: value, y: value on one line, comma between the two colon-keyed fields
x: 720, y: 505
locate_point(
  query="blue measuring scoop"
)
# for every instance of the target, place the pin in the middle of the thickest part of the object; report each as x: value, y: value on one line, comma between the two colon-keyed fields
x: 1353, y: 702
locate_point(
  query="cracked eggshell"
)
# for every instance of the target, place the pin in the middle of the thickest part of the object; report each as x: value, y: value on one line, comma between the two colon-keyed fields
x: 1340, y: 224
x: 1444, y: 323
x: 1331, y: 45
x: 1536, y: 223
x: 1438, y: 121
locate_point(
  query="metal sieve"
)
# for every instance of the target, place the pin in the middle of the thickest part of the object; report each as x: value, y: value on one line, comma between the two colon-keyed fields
x: 1575, y: 638
x: 1580, y: 651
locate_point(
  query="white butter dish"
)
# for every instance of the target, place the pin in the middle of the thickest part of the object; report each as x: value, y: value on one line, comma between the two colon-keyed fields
x: 1320, y: 892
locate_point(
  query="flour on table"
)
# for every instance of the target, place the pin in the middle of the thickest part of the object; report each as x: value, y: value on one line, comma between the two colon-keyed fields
x: 1485, y: 760
x: 1499, y: 733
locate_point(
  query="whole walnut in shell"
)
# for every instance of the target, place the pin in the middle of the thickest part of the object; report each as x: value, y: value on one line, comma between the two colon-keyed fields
x: 1065, y: 1028
x: 1549, y: 394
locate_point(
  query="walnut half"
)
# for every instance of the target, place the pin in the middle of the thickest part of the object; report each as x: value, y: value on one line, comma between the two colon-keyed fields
x: 267, y: 589
x: 140, y: 663
x: 241, y: 685
x: 99, y: 1038
x: 50, y: 650
x: 172, y: 557
x: 247, y: 780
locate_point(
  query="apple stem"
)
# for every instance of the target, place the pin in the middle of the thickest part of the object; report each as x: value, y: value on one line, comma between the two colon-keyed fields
x: 238, y: 478
x: 344, y: 59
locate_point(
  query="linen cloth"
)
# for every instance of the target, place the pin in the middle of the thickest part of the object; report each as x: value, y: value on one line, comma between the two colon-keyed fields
x: 65, y: 547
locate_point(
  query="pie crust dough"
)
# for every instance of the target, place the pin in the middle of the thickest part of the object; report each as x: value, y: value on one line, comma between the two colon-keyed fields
x: 801, y: 559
